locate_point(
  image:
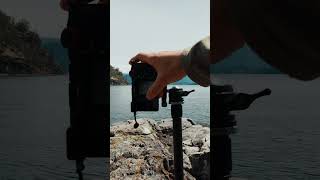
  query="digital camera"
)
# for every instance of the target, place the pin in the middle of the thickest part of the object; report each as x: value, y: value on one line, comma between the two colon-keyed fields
x: 142, y: 75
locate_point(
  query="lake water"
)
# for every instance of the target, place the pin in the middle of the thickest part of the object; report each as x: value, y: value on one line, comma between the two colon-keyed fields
x: 278, y: 136
x: 196, y: 106
x: 34, y: 116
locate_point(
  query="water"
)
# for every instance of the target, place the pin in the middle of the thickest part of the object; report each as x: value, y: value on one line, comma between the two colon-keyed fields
x: 196, y: 105
x: 33, y: 119
x: 278, y: 136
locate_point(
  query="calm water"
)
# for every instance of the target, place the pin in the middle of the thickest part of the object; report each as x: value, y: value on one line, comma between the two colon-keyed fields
x: 33, y: 119
x: 278, y: 136
x: 196, y: 105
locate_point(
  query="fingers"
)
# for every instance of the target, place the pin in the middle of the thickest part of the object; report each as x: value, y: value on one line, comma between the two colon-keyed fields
x: 142, y: 57
x: 156, y: 88
x: 158, y: 85
x: 64, y: 5
x: 137, y: 58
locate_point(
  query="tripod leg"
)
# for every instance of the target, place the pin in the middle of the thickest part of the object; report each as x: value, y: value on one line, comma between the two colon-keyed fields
x: 80, y: 167
x: 221, y: 157
x: 176, y: 111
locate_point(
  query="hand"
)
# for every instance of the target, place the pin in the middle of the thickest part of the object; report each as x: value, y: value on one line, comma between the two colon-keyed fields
x: 64, y: 4
x: 168, y: 65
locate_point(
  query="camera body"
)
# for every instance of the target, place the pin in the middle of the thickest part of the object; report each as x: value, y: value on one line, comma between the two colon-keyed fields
x: 142, y: 75
x: 86, y: 41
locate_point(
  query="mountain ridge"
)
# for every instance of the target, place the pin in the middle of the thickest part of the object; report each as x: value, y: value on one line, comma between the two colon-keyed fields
x: 21, y: 51
x: 243, y: 61
x: 117, y: 77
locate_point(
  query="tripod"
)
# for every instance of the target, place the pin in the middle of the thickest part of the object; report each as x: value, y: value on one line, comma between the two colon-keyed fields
x: 223, y: 100
x: 176, y: 100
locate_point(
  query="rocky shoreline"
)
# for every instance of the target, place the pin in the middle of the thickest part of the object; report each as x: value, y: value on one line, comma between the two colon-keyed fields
x: 116, y: 77
x: 147, y: 152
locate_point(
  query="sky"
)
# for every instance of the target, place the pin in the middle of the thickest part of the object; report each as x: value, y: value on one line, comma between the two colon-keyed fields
x: 153, y: 25
x: 45, y: 16
x: 136, y: 25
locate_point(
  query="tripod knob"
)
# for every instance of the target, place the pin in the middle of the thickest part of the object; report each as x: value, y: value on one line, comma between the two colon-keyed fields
x: 186, y: 93
x: 242, y: 101
x: 176, y: 95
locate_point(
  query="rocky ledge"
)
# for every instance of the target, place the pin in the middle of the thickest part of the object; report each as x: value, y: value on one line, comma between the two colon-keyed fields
x: 147, y: 152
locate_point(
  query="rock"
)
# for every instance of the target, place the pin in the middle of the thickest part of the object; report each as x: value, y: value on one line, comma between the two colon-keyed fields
x: 147, y: 153
x: 117, y: 77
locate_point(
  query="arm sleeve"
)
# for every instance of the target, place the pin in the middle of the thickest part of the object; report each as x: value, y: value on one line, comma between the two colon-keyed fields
x: 196, y: 62
x: 283, y: 38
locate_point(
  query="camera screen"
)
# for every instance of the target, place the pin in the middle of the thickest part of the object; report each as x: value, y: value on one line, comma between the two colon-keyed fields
x: 143, y: 87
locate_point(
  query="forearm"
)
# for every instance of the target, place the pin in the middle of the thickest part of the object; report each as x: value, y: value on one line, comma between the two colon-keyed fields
x: 196, y: 62
x: 226, y: 38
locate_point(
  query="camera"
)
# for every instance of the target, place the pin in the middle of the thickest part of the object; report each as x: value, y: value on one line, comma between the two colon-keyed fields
x: 86, y: 41
x: 142, y: 75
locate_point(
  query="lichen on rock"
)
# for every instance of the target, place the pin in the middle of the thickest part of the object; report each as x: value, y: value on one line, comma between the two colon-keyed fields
x: 147, y: 153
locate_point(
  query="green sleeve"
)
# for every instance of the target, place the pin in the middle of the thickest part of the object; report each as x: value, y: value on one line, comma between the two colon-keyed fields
x: 281, y: 35
x: 196, y: 61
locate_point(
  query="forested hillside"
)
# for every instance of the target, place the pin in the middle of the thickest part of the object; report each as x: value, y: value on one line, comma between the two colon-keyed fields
x: 21, y: 51
x: 116, y: 77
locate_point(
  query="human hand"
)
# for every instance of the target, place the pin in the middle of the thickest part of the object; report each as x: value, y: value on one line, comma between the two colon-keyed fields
x: 64, y: 4
x: 168, y: 65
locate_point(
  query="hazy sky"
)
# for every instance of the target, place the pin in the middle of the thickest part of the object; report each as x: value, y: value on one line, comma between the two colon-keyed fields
x: 136, y: 25
x: 155, y: 25
x: 45, y: 16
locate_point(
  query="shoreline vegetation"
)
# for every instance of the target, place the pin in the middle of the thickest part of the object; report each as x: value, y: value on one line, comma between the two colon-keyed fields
x: 117, y: 77
x: 21, y: 51
x: 24, y: 53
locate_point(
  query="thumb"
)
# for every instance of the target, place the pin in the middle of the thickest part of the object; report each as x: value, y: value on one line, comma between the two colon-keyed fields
x: 143, y: 57
x: 156, y: 88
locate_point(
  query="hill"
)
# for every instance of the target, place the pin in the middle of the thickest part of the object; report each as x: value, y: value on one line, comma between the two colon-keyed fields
x: 116, y: 77
x: 243, y: 61
x: 21, y: 51
x: 60, y: 54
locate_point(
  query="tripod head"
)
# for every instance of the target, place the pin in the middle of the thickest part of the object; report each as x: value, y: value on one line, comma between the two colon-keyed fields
x: 143, y: 75
x: 232, y: 101
x: 176, y: 95
x: 223, y: 101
